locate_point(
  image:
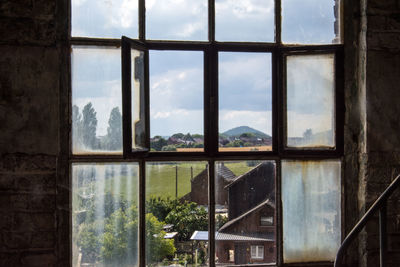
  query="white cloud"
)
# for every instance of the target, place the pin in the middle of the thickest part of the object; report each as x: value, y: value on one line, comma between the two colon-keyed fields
x: 176, y: 121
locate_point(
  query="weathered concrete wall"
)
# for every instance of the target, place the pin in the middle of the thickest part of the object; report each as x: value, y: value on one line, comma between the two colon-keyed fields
x: 383, y: 121
x: 33, y: 36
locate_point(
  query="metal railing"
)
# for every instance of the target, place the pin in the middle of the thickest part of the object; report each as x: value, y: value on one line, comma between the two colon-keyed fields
x: 381, y: 205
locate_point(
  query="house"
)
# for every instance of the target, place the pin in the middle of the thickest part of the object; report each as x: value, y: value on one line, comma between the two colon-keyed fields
x: 249, y: 234
x: 199, y: 186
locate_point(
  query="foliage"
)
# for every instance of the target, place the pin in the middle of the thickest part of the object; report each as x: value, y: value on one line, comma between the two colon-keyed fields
x: 220, y: 220
x: 158, y: 143
x: 178, y: 135
x: 114, y: 130
x: 114, y: 239
x: 187, y: 218
x: 76, y: 127
x: 160, y: 207
x: 155, y: 242
x: 89, y: 126
x: 169, y: 148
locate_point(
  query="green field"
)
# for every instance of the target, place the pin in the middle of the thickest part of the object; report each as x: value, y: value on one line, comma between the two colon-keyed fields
x: 160, y: 179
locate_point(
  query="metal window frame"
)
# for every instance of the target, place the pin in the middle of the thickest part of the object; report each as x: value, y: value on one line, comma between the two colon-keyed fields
x: 211, y: 48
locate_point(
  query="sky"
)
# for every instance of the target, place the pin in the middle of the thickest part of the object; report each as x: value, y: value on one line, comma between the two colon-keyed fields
x: 176, y: 78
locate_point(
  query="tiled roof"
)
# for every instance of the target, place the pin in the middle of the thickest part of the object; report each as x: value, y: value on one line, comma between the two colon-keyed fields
x: 203, y: 236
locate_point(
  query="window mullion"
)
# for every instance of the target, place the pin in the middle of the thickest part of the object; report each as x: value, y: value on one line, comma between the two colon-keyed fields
x: 142, y: 213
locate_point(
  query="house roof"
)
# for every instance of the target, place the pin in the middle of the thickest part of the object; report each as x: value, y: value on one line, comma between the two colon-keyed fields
x: 170, y: 235
x: 222, y: 171
x: 259, y: 206
x: 203, y: 236
x: 225, y: 172
x: 241, y: 177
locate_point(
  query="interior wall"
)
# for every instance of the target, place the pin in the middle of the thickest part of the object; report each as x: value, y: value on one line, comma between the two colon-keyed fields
x: 34, y: 183
x: 33, y: 42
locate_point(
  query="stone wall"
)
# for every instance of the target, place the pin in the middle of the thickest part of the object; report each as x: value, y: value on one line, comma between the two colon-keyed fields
x: 33, y: 49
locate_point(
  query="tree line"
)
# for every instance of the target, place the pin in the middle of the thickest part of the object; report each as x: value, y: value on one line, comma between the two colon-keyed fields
x: 84, y: 127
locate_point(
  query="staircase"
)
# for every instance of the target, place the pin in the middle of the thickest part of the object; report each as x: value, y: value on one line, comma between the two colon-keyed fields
x: 380, y: 205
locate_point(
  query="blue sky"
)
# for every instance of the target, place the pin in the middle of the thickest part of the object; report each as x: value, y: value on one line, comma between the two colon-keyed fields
x: 176, y: 78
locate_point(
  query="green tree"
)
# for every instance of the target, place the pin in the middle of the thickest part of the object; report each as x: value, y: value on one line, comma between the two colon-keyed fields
x: 89, y: 126
x: 160, y: 207
x: 159, y: 143
x: 169, y: 148
x: 187, y: 218
x: 155, y: 241
x: 76, y: 127
x: 114, y: 130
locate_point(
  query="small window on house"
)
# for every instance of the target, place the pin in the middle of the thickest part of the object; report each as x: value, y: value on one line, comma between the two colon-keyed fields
x: 257, y: 252
x: 266, y: 220
x: 231, y: 255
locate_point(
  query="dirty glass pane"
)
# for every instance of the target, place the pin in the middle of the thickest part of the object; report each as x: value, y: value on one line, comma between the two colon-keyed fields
x: 245, y: 101
x: 96, y: 100
x: 310, y: 97
x: 245, y: 21
x: 177, y: 20
x: 244, y: 194
x: 176, y: 213
x: 138, y: 107
x: 176, y: 101
x: 311, y: 210
x: 105, y: 214
x: 311, y: 21
x: 104, y: 18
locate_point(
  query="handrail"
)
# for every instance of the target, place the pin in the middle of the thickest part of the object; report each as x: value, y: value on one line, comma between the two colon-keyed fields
x: 380, y: 204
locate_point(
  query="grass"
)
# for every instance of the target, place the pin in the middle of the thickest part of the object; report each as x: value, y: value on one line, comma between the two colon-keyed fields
x: 160, y: 179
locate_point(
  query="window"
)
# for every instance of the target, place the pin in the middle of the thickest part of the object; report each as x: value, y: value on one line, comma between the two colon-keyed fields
x: 257, y: 252
x: 195, y: 124
x: 266, y: 221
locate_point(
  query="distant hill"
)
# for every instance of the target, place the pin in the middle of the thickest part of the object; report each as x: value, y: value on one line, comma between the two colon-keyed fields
x: 237, y: 131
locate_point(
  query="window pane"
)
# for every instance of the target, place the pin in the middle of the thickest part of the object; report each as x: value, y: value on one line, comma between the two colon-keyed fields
x: 310, y: 21
x: 244, y: 192
x: 104, y: 18
x: 177, y: 20
x: 311, y: 210
x: 245, y: 102
x: 96, y: 100
x: 310, y: 101
x: 244, y: 21
x: 138, y: 107
x: 176, y: 213
x: 105, y: 214
x: 176, y: 101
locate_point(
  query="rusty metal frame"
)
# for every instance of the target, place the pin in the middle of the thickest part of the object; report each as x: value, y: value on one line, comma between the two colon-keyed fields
x: 210, y: 50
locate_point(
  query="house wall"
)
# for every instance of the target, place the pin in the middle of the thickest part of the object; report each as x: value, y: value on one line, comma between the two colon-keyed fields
x: 34, y: 183
x: 222, y: 251
x: 246, y: 193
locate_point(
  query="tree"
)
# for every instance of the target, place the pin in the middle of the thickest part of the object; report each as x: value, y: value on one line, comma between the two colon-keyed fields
x: 158, y: 143
x: 160, y: 207
x: 89, y: 126
x: 169, y: 148
x: 114, y: 130
x: 187, y: 218
x: 155, y: 241
x: 76, y: 127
